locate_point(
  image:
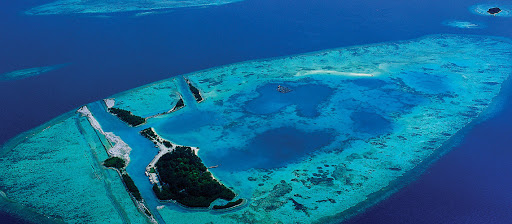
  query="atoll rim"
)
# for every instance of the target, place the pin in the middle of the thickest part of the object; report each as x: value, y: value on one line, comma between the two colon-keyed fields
x: 141, y: 7
x: 301, y: 138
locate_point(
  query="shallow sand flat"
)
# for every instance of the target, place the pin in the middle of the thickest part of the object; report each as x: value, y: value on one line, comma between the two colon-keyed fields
x: 56, y: 173
x: 370, y: 131
x: 463, y: 24
x: 149, y: 100
x: 29, y: 72
x: 105, y: 7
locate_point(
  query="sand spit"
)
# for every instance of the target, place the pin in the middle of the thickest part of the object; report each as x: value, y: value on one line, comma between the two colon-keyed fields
x: 119, y: 148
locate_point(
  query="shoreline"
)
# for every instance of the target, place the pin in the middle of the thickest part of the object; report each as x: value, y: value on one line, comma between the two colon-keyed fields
x: 155, y: 179
x: 119, y: 147
x: 122, y: 150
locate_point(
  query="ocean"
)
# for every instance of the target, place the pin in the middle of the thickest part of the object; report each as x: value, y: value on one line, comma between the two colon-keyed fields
x: 109, y: 55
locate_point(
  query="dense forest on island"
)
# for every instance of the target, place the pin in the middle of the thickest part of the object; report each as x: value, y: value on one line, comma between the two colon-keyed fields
x: 130, y: 185
x: 127, y: 116
x: 185, y: 179
x: 179, y: 104
x: 194, y: 91
x: 114, y: 162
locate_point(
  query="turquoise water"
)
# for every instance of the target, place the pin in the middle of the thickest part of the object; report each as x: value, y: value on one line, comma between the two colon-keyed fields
x: 464, y: 24
x: 142, y: 152
x: 62, y: 163
x: 149, y: 100
x: 357, y: 119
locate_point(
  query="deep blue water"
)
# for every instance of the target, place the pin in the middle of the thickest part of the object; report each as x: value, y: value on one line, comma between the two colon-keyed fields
x: 468, y: 185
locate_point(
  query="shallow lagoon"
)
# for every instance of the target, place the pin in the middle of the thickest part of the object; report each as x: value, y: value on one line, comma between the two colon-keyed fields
x: 306, y: 97
x: 415, y: 94
x: 269, y: 150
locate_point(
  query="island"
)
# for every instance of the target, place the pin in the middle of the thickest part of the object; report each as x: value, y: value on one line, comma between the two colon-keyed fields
x: 494, y: 10
x: 118, y: 158
x: 114, y: 162
x: 195, y: 91
x: 119, y: 164
x: 358, y: 121
x: 178, y: 174
x: 185, y: 179
x: 127, y: 116
x: 180, y: 104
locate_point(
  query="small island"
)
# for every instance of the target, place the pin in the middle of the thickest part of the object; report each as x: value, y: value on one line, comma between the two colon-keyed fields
x: 494, y: 10
x: 195, y: 91
x: 178, y: 174
x: 119, y: 165
x: 180, y: 104
x: 127, y: 116
x: 114, y: 162
x: 150, y: 134
x: 185, y: 179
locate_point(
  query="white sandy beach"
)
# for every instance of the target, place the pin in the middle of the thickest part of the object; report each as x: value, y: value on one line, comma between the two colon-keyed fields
x: 119, y: 148
x: 333, y: 72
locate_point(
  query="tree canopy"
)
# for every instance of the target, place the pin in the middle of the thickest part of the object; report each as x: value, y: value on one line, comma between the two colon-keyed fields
x: 127, y: 116
x: 185, y: 179
x: 114, y: 162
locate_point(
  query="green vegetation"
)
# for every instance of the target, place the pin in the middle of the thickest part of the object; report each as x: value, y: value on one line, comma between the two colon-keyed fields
x: 114, y: 162
x: 131, y: 187
x: 194, y: 91
x: 179, y: 104
x: 127, y: 116
x: 229, y: 204
x: 185, y: 179
x: 149, y: 134
x: 167, y: 143
x: 147, y: 212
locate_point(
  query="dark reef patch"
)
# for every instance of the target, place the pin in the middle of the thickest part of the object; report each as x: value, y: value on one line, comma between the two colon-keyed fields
x: 276, y: 197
